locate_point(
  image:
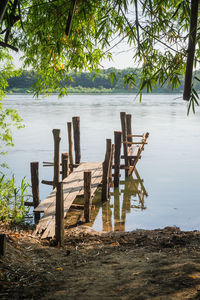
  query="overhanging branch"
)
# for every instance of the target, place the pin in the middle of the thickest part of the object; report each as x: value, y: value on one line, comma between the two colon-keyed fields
x: 3, y: 5
x: 191, y: 49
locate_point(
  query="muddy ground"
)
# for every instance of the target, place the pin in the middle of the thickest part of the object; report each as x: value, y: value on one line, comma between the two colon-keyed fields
x: 143, y: 264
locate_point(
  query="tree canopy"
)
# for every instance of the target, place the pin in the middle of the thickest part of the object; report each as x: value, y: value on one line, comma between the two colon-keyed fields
x: 59, y: 36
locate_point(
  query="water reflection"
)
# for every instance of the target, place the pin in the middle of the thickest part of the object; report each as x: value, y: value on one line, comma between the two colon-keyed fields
x: 111, y: 215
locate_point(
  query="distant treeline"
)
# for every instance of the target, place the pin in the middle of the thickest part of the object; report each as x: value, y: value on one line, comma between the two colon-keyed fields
x: 106, y: 81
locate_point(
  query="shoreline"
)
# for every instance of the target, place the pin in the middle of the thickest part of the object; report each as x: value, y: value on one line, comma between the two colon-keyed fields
x: 143, y: 264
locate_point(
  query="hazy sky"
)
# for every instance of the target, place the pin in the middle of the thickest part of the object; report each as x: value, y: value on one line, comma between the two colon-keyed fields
x: 122, y: 58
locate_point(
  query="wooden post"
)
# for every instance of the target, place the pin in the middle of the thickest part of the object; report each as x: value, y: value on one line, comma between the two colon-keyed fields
x: 117, y: 210
x: 87, y: 195
x: 71, y: 161
x: 77, y: 147
x: 118, y: 141
x: 111, y: 163
x: 65, y: 165
x: 56, y: 135
x: 129, y: 128
x: 35, y: 188
x: 59, y: 226
x: 2, y: 244
x: 110, y: 182
x: 124, y: 138
x: 106, y: 168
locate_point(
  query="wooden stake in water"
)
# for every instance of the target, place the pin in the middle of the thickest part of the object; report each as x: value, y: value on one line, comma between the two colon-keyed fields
x: 124, y: 138
x: 65, y: 165
x: 77, y: 147
x: 35, y: 188
x: 118, y: 141
x: 87, y: 195
x: 56, y: 136
x: 129, y: 128
x: 59, y: 225
x: 110, y: 167
x: 71, y: 161
x: 106, y: 169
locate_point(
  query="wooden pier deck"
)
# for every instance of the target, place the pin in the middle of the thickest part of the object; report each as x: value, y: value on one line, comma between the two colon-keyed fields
x: 73, y: 186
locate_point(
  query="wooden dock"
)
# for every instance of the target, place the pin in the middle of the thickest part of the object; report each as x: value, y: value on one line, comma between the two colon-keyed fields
x: 82, y: 179
x: 73, y: 186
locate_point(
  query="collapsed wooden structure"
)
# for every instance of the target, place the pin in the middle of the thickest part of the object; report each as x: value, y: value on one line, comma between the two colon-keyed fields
x: 82, y: 179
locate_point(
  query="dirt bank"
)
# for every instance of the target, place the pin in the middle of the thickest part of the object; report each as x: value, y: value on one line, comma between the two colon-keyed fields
x: 158, y: 264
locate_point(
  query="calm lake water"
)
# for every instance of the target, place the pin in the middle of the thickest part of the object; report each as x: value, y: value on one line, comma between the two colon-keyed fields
x: 169, y: 168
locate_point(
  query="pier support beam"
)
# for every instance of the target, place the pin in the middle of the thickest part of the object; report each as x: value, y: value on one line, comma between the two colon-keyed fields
x: 34, y: 166
x: 129, y: 128
x: 71, y: 161
x: 110, y: 168
x: 124, y: 138
x: 56, y: 136
x: 87, y: 195
x: 77, y: 147
x: 59, y: 225
x: 65, y: 165
x: 106, y: 170
x: 118, y: 141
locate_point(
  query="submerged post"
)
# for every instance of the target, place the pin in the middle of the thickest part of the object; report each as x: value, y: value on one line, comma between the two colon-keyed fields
x: 124, y: 139
x: 110, y: 164
x: 56, y: 136
x: 59, y: 225
x: 106, y: 169
x: 77, y: 147
x: 87, y: 195
x: 35, y: 188
x: 65, y: 165
x: 118, y: 141
x: 71, y: 161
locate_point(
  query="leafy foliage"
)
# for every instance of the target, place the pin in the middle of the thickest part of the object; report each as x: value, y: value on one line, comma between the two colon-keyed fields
x: 156, y: 31
x: 8, y: 116
x: 12, y: 198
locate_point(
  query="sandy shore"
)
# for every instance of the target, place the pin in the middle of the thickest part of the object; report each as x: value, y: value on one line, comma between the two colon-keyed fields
x: 142, y: 264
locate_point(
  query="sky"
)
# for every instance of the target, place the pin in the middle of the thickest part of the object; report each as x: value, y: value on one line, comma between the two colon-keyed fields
x: 122, y: 58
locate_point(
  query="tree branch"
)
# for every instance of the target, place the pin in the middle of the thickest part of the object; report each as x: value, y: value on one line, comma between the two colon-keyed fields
x: 3, y: 5
x: 137, y: 25
x: 70, y: 17
x: 5, y: 45
x: 191, y: 49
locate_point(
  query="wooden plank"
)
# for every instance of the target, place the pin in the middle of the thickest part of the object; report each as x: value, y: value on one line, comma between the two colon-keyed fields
x: 135, y: 143
x: 73, y: 186
x: 69, y: 198
x: 47, y: 202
